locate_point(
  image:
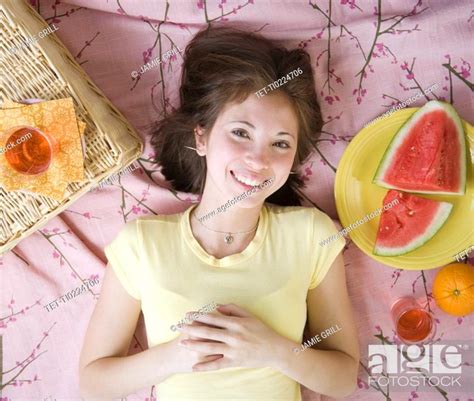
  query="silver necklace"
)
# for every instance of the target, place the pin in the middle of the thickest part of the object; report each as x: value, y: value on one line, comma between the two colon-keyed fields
x: 229, y: 237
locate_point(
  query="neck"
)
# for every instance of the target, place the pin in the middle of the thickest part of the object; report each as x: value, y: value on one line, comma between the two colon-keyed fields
x: 234, y: 220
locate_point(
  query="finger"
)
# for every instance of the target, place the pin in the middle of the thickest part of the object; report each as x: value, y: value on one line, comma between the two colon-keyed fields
x: 198, y: 323
x: 203, y: 340
x: 219, y: 321
x: 233, y: 310
x: 215, y: 365
x: 193, y: 315
x: 211, y: 358
x: 206, y: 309
x: 205, y: 332
x: 186, y: 336
x: 204, y: 347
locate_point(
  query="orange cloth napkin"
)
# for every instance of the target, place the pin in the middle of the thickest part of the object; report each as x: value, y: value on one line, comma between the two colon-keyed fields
x: 58, y: 119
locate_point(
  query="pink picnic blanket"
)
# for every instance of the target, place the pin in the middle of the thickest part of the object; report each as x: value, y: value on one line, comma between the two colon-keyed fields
x: 367, y: 56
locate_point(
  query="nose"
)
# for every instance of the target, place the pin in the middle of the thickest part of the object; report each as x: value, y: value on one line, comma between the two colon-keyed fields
x: 257, y: 159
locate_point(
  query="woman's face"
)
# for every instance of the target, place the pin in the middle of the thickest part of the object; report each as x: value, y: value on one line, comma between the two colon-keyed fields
x: 251, y: 142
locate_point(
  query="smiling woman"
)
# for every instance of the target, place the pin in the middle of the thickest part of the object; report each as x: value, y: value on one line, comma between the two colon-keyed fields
x: 224, y: 67
x: 259, y: 258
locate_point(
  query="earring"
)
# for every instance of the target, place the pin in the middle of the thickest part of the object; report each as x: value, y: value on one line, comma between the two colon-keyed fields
x: 197, y: 151
x: 196, y: 132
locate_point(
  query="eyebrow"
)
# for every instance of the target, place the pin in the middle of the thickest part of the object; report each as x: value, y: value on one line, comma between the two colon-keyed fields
x: 252, y: 126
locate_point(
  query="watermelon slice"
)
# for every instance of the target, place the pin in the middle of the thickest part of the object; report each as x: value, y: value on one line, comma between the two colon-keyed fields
x: 428, y: 153
x: 409, y: 223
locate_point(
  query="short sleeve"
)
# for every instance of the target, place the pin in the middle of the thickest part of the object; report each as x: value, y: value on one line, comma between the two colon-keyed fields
x: 122, y: 254
x: 327, y: 245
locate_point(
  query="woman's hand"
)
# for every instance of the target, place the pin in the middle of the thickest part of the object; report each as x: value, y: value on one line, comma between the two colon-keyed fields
x: 242, y: 339
x: 185, y: 359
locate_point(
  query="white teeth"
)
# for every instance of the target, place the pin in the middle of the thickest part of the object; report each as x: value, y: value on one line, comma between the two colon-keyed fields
x: 246, y: 181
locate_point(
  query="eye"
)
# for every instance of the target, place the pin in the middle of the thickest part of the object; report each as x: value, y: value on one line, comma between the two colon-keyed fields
x: 240, y: 133
x: 282, y: 145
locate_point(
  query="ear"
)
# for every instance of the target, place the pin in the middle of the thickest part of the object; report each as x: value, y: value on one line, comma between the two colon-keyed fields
x: 200, y: 139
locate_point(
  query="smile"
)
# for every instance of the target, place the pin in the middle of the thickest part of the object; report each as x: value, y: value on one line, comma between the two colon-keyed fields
x: 251, y: 182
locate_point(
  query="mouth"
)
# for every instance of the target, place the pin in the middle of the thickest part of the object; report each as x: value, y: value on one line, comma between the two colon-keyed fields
x: 249, y: 182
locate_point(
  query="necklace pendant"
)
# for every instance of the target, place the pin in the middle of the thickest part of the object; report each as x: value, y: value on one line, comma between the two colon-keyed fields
x: 229, y: 239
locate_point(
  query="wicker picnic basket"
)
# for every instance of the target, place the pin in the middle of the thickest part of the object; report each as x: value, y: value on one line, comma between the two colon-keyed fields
x: 45, y: 69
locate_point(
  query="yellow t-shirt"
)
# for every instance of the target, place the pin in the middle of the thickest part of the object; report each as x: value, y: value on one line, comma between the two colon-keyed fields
x: 159, y: 262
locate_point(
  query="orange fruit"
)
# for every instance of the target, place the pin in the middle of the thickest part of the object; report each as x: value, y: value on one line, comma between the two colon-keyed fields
x: 453, y: 289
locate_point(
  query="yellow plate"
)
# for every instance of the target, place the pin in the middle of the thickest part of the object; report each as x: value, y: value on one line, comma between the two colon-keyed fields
x: 357, y: 196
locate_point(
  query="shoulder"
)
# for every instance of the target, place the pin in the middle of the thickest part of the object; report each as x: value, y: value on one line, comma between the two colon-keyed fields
x: 154, y: 221
x: 140, y: 225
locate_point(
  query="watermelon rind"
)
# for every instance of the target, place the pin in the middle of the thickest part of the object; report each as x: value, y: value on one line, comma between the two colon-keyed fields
x: 438, y: 220
x: 399, y: 137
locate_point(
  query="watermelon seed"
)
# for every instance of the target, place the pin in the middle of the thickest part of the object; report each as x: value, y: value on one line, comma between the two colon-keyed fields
x: 412, y: 148
x: 387, y: 227
x: 411, y: 213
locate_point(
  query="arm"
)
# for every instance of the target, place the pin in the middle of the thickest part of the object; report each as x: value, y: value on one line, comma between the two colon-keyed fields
x: 104, y: 368
x: 332, y: 368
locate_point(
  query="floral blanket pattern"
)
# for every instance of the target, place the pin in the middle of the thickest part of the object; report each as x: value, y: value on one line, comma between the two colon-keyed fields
x: 368, y: 56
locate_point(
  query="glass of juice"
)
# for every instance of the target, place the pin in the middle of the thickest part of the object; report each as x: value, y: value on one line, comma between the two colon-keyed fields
x: 414, y: 325
x: 29, y: 151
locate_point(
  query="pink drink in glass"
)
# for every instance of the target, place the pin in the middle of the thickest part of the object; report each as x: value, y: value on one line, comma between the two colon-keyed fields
x: 413, y: 324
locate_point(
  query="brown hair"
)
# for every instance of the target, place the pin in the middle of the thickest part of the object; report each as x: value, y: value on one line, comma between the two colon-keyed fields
x: 224, y: 65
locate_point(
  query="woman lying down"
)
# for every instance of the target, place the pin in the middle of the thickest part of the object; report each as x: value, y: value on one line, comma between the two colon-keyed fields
x: 228, y: 286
